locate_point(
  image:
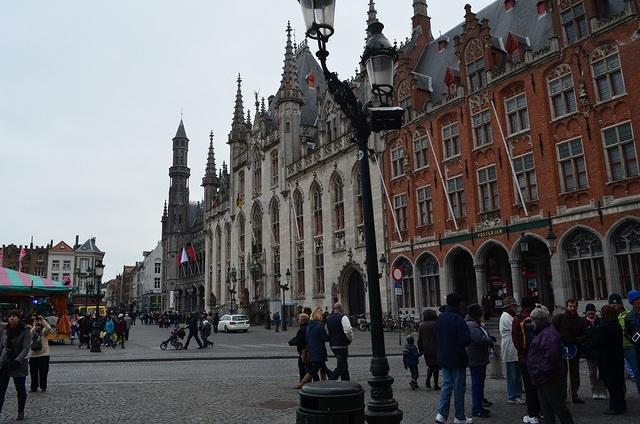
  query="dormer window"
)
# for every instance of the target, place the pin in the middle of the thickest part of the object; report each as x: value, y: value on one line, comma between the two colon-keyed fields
x: 574, y: 23
x: 476, y: 74
x: 515, y: 47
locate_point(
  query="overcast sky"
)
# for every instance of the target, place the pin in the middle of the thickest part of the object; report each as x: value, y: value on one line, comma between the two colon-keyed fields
x: 91, y: 94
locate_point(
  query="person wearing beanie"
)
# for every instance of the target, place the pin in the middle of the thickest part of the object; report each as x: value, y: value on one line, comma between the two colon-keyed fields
x: 573, y: 331
x: 593, y: 322
x: 544, y: 364
x: 630, y: 322
x: 411, y: 359
x: 509, y: 352
x: 611, y: 359
x: 478, y: 353
x: 522, y: 333
x: 452, y: 335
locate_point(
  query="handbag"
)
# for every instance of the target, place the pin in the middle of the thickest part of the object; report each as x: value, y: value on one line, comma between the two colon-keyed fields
x: 36, y: 342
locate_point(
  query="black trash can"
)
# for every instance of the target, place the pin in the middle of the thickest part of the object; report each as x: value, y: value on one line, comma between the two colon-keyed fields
x: 334, y: 402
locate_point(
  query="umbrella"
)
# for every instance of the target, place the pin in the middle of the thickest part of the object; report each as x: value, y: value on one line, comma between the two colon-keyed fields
x: 18, y: 283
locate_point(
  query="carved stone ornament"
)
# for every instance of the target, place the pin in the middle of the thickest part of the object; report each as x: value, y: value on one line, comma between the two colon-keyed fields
x: 473, y: 51
x: 604, y: 51
x: 559, y: 71
x: 490, y: 220
x: 479, y: 101
x: 521, y: 138
x: 404, y: 90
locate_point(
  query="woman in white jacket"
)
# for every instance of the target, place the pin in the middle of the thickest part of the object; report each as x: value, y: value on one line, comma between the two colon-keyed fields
x: 509, y: 352
x: 39, y: 358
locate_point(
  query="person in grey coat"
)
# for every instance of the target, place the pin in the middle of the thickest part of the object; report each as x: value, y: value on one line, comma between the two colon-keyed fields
x: 478, y: 353
x: 15, y: 341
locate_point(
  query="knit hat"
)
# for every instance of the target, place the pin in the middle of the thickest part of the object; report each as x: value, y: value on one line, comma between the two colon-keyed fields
x: 590, y: 307
x: 540, y: 313
x: 633, y: 296
x: 410, y: 339
x: 454, y: 299
x: 615, y: 299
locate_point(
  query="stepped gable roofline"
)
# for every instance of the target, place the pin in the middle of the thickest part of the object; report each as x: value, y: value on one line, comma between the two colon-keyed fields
x: 61, y: 247
x: 89, y: 246
x: 523, y: 19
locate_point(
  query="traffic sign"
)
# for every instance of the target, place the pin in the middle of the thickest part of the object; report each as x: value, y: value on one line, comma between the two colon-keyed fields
x: 398, y: 291
x: 397, y: 274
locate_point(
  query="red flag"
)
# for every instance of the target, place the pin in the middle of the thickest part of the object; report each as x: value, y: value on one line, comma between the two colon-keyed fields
x: 192, y: 253
x: 178, y: 260
x: 23, y: 254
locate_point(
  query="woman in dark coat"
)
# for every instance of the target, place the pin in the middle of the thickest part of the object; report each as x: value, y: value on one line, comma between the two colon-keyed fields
x: 15, y: 341
x: 428, y: 347
x: 300, y: 342
x: 611, y: 359
x: 316, y: 338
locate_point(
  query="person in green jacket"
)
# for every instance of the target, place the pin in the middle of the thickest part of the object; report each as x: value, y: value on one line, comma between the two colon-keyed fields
x: 629, y: 320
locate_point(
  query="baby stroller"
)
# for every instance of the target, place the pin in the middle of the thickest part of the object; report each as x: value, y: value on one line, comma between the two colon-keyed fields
x: 175, y: 339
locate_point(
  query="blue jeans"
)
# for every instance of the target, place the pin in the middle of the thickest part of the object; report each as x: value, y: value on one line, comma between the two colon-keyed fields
x: 478, y: 376
x: 21, y: 389
x: 631, y: 355
x: 514, y: 380
x: 342, y: 366
x: 455, y: 380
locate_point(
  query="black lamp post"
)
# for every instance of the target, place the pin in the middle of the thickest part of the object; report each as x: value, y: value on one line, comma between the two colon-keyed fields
x: 284, y: 288
x: 379, y: 57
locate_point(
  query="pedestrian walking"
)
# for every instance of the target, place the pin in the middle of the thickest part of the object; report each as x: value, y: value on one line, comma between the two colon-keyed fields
x: 478, y: 352
x: 428, y: 346
x: 608, y: 344
x: 509, y: 352
x: 15, y: 341
x: 121, y: 328
x: 85, y: 331
x: 276, y: 320
x: 75, y: 328
x: 316, y: 338
x: 300, y: 342
x: 545, y: 367
x: 39, y: 354
x: 340, y: 337
x: 573, y: 332
x: 410, y: 360
x: 127, y: 321
x: 193, y: 331
x: 630, y: 322
x: 522, y: 333
x: 453, y: 337
x: 206, y: 331
x: 109, y: 328
x: 590, y: 352
x: 215, y: 321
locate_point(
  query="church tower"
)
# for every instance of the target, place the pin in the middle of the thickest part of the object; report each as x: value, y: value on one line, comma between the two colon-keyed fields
x: 288, y: 104
x: 179, y: 176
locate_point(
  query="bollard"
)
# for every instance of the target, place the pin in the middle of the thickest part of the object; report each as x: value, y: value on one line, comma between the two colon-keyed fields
x: 331, y: 402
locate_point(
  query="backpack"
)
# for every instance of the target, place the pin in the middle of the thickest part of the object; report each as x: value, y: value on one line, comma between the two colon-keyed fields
x: 526, y: 329
x: 36, y: 341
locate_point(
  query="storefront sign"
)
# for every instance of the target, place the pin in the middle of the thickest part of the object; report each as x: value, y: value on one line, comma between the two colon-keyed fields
x: 490, y: 233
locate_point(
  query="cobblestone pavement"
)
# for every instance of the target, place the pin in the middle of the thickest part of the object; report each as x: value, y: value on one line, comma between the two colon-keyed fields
x: 233, y: 392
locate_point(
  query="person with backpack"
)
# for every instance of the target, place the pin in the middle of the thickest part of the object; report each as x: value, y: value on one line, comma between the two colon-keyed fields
x: 522, y: 333
x: 205, y: 330
x: 410, y: 360
x: 630, y: 322
x: 39, y: 354
x: 608, y: 343
x: 109, y: 328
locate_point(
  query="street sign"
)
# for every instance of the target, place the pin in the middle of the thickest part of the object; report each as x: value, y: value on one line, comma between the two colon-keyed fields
x: 398, y: 288
x: 397, y: 274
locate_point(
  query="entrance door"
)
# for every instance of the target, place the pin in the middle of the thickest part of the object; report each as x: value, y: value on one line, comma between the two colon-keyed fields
x: 498, y: 271
x: 356, y: 299
x: 464, y: 276
x: 536, y: 272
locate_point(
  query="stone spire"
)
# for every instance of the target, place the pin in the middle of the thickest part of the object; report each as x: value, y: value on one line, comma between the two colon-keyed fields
x: 211, y: 159
x: 164, y: 212
x: 248, y: 117
x: 372, y: 15
x: 289, y: 87
x: 420, y: 7
x: 238, y: 123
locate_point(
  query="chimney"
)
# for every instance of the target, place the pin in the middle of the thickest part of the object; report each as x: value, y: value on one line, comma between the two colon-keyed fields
x: 77, y: 242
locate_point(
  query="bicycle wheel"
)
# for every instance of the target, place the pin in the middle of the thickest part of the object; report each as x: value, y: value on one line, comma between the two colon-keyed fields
x: 163, y: 345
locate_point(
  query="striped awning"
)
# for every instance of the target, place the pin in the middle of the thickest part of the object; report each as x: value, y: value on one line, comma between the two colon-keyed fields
x: 18, y: 283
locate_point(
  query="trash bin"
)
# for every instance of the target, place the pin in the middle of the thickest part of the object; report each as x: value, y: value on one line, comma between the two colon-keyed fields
x: 334, y: 402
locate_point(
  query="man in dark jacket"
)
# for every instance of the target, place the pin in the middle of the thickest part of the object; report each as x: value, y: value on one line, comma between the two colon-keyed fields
x: 573, y: 332
x: 544, y: 364
x: 452, y: 335
x: 522, y: 333
x: 340, y: 337
x: 193, y: 331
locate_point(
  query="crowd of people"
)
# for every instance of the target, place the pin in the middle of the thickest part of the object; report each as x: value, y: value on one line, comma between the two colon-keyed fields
x: 541, y: 353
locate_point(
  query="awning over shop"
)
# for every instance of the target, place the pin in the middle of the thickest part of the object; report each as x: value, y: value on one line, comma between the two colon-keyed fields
x: 14, y: 283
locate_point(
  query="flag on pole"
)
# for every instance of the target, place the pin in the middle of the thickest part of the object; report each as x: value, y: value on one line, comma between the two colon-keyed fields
x: 184, y: 258
x: 191, y: 252
x: 23, y: 254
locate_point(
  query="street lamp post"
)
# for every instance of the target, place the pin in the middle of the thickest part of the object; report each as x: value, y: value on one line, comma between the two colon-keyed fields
x: 284, y: 288
x: 379, y: 57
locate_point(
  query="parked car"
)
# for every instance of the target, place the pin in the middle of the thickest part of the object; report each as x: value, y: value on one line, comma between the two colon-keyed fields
x: 230, y: 323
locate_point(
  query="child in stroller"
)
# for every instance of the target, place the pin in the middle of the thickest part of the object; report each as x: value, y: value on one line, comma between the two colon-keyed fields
x: 175, y: 338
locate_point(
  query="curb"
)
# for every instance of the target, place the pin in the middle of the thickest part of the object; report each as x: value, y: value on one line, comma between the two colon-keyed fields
x: 187, y: 359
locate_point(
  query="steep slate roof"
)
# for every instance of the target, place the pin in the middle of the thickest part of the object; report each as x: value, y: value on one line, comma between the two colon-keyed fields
x: 196, y: 214
x: 522, y: 20
x: 181, y: 133
x: 307, y: 63
x: 89, y: 246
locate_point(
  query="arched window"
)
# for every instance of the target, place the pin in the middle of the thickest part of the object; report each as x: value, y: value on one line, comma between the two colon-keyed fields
x: 338, y: 212
x: 428, y: 275
x: 298, y: 211
x: 274, y: 168
x: 274, y: 212
x: 408, y: 298
x: 359, y: 212
x: 586, y: 266
x: 316, y: 205
x: 218, y: 282
x: 626, y: 245
x: 318, y: 241
x: 257, y: 173
x: 420, y: 149
x: 241, y: 252
x: 227, y: 246
x: 256, y: 230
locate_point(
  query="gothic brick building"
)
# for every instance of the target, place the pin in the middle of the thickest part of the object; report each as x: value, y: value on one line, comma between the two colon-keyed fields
x: 516, y: 171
